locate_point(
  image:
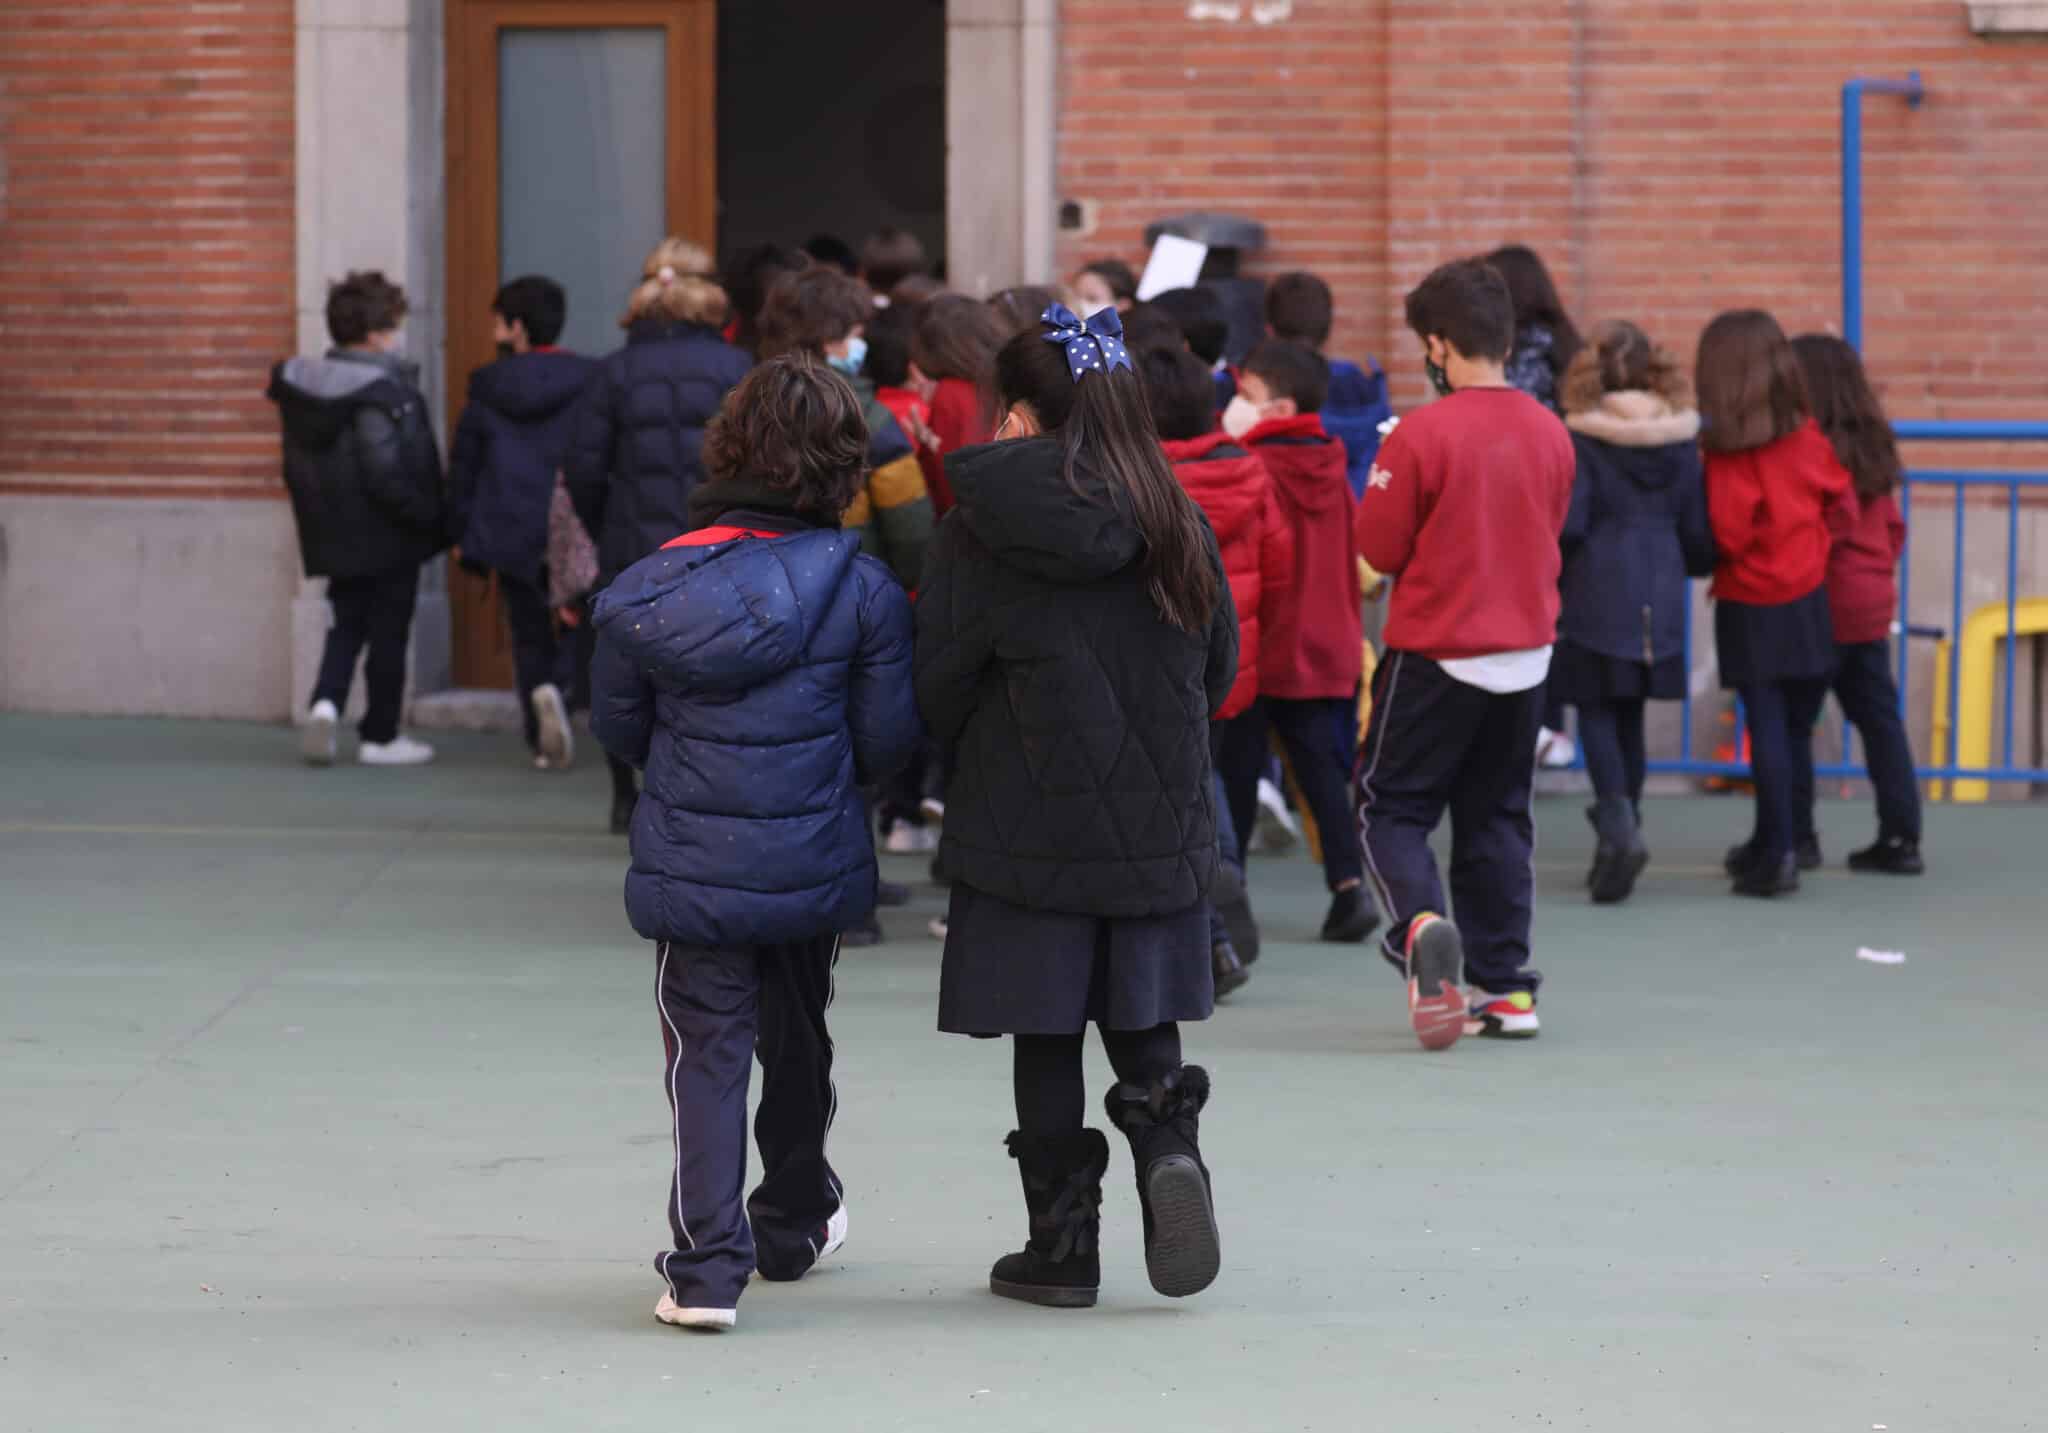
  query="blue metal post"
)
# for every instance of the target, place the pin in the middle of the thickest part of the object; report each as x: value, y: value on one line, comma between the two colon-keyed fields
x: 1955, y: 641
x: 2012, y: 603
x: 1852, y: 191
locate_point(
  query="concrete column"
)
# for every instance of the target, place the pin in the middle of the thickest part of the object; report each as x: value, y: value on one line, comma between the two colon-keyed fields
x: 370, y: 90
x: 1001, y: 91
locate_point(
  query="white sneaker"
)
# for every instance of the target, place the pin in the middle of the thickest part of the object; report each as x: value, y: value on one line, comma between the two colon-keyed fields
x: 557, y: 737
x: 905, y: 839
x: 1277, y: 829
x: 316, y: 737
x: 703, y: 1320
x: 835, y: 1236
x: 934, y: 811
x: 401, y: 750
x: 937, y: 927
x: 1555, y: 750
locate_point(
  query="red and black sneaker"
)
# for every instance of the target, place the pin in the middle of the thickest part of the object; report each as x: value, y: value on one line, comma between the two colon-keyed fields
x: 1436, y: 969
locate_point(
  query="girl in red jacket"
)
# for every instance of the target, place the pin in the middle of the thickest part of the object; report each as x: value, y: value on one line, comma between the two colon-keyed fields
x: 954, y: 348
x: 1863, y: 595
x: 1234, y: 491
x: 1772, y: 480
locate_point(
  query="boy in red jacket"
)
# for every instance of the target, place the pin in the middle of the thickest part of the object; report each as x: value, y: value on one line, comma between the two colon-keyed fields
x: 1311, y: 652
x: 1463, y: 508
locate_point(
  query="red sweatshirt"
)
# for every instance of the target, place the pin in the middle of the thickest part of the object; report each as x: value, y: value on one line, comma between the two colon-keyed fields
x: 1234, y: 491
x: 1863, y: 567
x: 1769, y: 509
x: 958, y: 421
x: 1463, y: 509
x: 1313, y: 643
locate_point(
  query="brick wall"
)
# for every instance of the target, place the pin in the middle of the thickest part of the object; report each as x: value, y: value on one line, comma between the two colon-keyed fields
x: 1669, y: 158
x: 146, y: 243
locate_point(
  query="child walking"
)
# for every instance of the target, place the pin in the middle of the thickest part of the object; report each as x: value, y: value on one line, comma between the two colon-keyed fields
x: 757, y: 669
x: 1772, y: 480
x: 1463, y: 509
x: 1074, y: 637
x: 1869, y: 534
x: 1637, y: 529
x: 1235, y: 493
x: 1311, y: 652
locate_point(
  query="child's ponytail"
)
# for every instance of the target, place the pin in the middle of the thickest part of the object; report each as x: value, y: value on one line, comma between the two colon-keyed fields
x: 1105, y: 426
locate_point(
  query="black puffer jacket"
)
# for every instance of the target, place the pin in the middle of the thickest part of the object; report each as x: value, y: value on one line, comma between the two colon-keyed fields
x: 359, y: 461
x: 1079, y: 718
x: 507, y: 448
x: 638, y: 447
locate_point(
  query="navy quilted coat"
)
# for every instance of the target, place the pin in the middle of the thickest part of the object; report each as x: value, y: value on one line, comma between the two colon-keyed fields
x: 1078, y: 717
x: 758, y: 680
x: 638, y: 448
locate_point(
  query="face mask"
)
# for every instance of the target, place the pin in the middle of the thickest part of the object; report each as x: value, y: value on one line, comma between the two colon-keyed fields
x: 849, y: 362
x: 1240, y: 416
x: 1438, y: 379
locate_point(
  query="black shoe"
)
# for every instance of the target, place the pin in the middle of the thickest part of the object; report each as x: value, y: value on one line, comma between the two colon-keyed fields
x: 1889, y: 856
x: 889, y: 893
x: 862, y: 936
x: 1740, y: 858
x: 1807, y: 854
x: 1352, y: 916
x: 622, y: 813
x: 1622, y: 855
x: 1183, y: 1251
x: 1765, y: 881
x: 1060, y: 1267
x: 1228, y: 895
x: 1228, y: 969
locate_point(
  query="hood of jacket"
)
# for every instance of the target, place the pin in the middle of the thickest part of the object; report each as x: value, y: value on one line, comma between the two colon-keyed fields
x: 1227, y: 483
x: 1016, y: 498
x: 316, y: 397
x: 1308, y: 465
x: 1635, y: 419
x: 1633, y: 430
x: 725, y: 615
x: 530, y: 387
x: 886, y: 441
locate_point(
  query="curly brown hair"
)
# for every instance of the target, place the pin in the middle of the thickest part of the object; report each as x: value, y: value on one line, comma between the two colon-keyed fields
x: 1622, y: 358
x: 796, y: 425
x: 811, y: 308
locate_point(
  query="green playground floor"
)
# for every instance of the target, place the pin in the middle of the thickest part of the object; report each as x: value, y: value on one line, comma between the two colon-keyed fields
x: 332, y: 1101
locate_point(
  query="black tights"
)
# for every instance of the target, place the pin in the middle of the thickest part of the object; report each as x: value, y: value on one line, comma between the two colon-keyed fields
x: 1611, y: 736
x: 1052, y: 1092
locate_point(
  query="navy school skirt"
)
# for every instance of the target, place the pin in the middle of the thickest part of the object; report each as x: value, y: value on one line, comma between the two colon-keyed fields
x: 1784, y: 642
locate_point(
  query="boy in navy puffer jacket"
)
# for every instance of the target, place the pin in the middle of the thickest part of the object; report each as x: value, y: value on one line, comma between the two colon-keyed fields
x: 758, y: 670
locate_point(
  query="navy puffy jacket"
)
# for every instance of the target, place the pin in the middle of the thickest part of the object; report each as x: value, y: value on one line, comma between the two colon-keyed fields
x: 758, y: 680
x: 638, y: 448
x: 508, y: 446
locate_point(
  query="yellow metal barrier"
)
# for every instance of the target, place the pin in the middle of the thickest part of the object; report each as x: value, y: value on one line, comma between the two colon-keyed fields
x: 1982, y: 633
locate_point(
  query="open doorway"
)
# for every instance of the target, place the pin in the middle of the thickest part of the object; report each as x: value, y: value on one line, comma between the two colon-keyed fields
x: 831, y: 119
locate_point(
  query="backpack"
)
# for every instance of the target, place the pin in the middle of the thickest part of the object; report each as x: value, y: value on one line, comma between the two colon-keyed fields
x: 572, y: 556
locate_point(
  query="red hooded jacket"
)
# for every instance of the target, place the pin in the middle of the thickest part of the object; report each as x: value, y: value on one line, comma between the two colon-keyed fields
x: 1234, y: 491
x: 1863, y: 567
x: 1313, y: 642
x: 1769, y: 507
x: 1463, y: 509
x: 958, y: 421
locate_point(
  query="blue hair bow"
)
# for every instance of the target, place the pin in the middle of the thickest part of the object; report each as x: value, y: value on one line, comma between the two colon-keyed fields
x: 1096, y: 346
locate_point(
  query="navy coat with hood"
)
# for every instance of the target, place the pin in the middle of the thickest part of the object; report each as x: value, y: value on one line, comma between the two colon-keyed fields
x: 759, y: 681
x: 638, y: 448
x: 1637, y: 527
x: 359, y: 462
x: 508, y: 446
x: 1078, y: 717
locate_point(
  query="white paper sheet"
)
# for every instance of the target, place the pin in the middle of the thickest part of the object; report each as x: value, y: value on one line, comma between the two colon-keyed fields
x: 1175, y: 264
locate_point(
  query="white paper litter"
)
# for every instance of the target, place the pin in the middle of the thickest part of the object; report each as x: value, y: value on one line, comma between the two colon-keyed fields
x: 1881, y: 957
x: 1175, y: 264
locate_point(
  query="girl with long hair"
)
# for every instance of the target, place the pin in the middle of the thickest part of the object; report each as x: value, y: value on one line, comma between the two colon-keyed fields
x: 1772, y: 479
x: 1863, y: 597
x: 1074, y: 637
x: 953, y: 348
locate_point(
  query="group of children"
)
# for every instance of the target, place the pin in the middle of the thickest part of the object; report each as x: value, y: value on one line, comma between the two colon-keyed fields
x: 1055, y: 585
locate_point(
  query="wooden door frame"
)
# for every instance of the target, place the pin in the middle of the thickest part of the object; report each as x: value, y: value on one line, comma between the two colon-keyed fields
x: 471, y: 126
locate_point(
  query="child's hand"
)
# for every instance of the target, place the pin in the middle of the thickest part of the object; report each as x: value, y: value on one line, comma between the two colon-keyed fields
x: 1371, y: 584
x: 569, y: 614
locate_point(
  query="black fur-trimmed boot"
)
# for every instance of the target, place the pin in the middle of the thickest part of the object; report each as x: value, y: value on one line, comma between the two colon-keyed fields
x: 1183, y: 1251
x: 1062, y: 1176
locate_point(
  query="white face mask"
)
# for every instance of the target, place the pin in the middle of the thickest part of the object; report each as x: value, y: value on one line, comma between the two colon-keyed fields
x: 1240, y: 416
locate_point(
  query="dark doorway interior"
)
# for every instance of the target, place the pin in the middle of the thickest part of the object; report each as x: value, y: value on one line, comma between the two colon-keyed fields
x: 832, y: 119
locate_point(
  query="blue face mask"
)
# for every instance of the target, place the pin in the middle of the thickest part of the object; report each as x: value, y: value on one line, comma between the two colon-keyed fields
x: 849, y: 363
